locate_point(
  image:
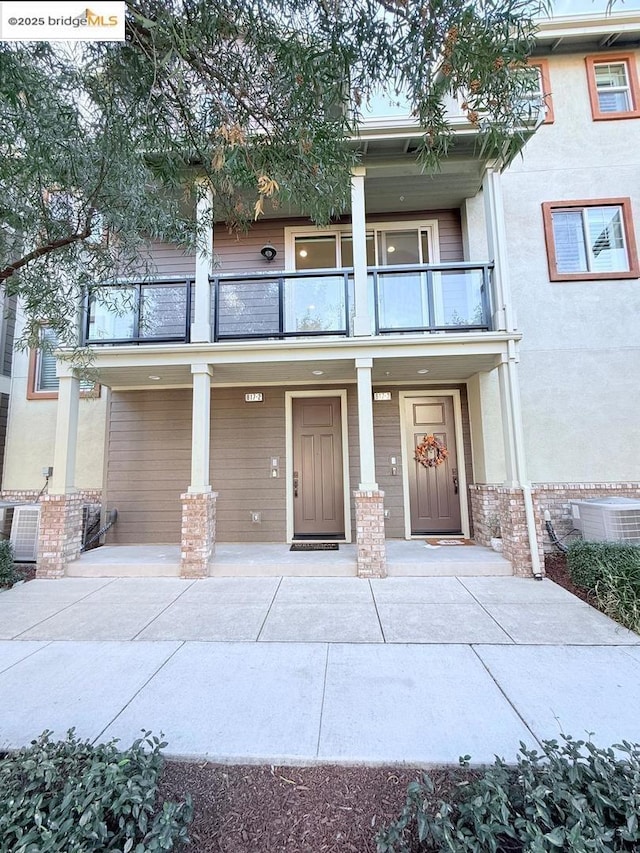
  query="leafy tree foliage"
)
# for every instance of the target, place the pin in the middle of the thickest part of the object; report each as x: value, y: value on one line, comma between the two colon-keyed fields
x: 107, y: 145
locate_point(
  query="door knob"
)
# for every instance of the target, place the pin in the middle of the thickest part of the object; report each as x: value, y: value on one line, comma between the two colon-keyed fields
x: 454, y: 474
x: 295, y: 484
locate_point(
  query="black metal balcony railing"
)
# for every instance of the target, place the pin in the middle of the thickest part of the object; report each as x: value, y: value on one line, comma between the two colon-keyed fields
x: 281, y: 305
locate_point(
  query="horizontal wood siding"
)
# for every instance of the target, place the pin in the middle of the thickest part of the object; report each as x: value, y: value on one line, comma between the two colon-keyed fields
x: 8, y: 334
x: 4, y: 414
x: 171, y: 261
x: 148, y: 464
x: 244, y: 438
x: 241, y: 253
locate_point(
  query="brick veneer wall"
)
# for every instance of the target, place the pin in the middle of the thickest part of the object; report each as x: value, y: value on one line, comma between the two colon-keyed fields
x: 370, y: 538
x: 198, y: 533
x: 60, y: 534
x: 555, y: 498
x: 508, y: 505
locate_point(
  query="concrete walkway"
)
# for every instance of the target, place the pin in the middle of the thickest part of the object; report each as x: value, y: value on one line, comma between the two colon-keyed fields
x: 304, y: 670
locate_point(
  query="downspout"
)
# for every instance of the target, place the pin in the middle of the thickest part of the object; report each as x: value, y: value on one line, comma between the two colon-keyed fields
x: 506, y: 313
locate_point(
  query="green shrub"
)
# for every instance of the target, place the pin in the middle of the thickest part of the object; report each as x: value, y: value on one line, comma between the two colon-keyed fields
x: 8, y: 573
x: 618, y: 595
x: 573, y: 796
x: 588, y: 562
x: 71, y: 797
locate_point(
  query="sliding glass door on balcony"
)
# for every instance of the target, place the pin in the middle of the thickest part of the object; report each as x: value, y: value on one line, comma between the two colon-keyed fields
x: 403, y: 297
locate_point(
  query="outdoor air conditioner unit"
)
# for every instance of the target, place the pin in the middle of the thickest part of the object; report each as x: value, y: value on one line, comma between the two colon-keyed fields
x: 24, y: 533
x: 608, y: 519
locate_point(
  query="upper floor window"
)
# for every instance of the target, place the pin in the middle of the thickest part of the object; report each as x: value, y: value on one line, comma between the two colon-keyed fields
x: 541, y: 92
x: 613, y: 86
x: 590, y: 240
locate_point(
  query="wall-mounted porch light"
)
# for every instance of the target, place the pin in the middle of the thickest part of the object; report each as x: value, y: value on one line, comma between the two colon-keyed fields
x: 268, y: 252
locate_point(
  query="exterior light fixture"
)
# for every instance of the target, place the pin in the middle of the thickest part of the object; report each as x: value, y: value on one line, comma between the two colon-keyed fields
x: 303, y: 253
x: 422, y: 370
x: 317, y: 372
x: 391, y: 249
x: 154, y: 377
x: 268, y: 252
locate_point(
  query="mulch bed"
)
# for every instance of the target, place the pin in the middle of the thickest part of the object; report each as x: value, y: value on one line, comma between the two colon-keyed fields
x: 258, y: 809
x: 555, y: 566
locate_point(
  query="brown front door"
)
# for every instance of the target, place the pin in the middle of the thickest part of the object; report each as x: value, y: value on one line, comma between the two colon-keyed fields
x: 318, y: 492
x: 433, y: 492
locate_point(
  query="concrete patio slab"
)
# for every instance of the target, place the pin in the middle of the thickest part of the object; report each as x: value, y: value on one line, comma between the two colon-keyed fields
x: 439, y: 622
x: 414, y: 704
x: 419, y: 590
x: 516, y: 590
x: 567, y: 622
x: 323, y: 610
x: 634, y: 651
x: 235, y: 702
x: 573, y: 690
x: 118, y: 611
x: 22, y: 608
x: 83, y: 685
x: 150, y: 561
x: 216, y: 609
x: 11, y: 653
x: 415, y: 558
x: 273, y: 559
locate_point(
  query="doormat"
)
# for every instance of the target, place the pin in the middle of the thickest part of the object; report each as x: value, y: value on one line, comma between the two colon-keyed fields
x: 314, y: 546
x: 437, y: 542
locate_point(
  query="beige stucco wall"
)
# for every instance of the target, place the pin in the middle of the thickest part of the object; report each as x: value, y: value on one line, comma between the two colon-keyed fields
x: 31, y: 436
x: 580, y: 353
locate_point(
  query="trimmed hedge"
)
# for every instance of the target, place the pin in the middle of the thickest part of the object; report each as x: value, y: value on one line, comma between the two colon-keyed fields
x: 72, y: 797
x: 573, y: 796
x: 589, y: 562
x: 8, y: 573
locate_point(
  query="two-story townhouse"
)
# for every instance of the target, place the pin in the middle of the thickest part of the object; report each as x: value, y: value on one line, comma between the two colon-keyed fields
x: 275, y: 388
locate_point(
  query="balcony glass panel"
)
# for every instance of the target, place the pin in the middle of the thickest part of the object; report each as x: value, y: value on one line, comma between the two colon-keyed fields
x: 457, y: 298
x: 112, y: 314
x: 248, y: 308
x: 162, y: 311
x: 402, y: 300
x: 315, y: 304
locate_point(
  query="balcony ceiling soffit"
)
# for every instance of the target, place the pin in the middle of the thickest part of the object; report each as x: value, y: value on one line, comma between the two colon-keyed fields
x: 385, y: 370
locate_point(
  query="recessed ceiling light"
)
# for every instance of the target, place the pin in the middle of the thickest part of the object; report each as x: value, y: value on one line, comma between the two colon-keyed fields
x: 423, y: 370
x: 391, y: 249
x: 317, y: 372
x: 303, y: 253
x: 155, y: 378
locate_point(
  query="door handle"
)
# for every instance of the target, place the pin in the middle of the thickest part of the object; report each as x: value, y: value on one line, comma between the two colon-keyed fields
x: 295, y: 484
x: 454, y: 474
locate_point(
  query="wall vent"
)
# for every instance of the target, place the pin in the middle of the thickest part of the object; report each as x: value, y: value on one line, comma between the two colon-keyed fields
x: 608, y: 519
x: 24, y: 533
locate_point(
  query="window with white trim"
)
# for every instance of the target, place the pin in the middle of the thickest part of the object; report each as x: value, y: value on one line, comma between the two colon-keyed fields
x: 590, y: 240
x: 613, y: 86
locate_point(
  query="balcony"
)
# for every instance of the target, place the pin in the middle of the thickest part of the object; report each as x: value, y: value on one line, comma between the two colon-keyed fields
x: 420, y: 299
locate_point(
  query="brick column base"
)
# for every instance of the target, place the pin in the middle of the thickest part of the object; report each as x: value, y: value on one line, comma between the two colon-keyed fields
x: 488, y: 502
x: 515, y: 535
x: 372, y: 553
x: 198, y: 533
x: 60, y: 534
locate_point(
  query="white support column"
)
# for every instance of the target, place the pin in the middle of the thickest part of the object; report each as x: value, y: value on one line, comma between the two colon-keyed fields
x: 503, y: 313
x: 365, y: 426
x: 362, y: 318
x: 200, y: 429
x: 507, y: 424
x: 201, y: 327
x: 63, y: 479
